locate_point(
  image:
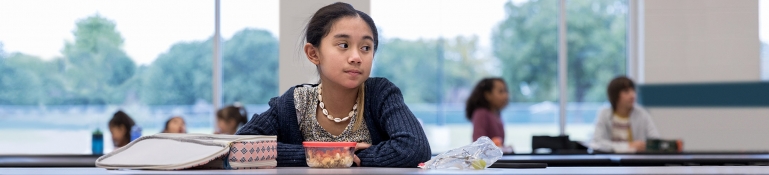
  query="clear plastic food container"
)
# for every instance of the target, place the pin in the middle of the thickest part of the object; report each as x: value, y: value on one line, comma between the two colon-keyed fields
x: 329, y: 154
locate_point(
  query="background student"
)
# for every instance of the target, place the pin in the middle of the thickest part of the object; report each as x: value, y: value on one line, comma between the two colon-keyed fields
x: 175, y: 124
x: 230, y: 118
x: 626, y: 125
x: 120, y: 128
x: 484, y: 109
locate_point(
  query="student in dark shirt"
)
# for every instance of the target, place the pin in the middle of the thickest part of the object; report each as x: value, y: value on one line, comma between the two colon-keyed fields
x: 346, y: 105
x: 120, y: 127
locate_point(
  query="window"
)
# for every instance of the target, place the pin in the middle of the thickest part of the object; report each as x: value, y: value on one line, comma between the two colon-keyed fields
x: 437, y: 64
x: 596, y: 35
x: 65, y: 71
x: 249, y: 53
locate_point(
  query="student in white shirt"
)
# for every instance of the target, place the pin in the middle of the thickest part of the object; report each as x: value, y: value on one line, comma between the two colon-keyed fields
x: 625, y: 126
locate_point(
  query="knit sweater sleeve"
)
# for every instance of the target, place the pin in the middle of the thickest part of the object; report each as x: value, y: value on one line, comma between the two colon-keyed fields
x: 407, y: 145
x: 261, y: 124
x: 290, y: 153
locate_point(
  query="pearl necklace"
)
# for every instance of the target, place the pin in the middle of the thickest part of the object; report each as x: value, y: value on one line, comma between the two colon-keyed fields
x: 325, y: 112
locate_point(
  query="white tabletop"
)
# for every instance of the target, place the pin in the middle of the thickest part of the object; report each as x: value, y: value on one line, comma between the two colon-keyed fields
x: 357, y: 170
x: 552, y: 160
x: 635, y: 156
x: 640, y: 159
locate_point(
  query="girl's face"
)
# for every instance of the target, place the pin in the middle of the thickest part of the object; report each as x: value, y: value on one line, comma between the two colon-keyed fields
x: 345, y: 54
x: 227, y: 126
x: 176, y: 125
x: 498, y: 96
x: 118, y: 135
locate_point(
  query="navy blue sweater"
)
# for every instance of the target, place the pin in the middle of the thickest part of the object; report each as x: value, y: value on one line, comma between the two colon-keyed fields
x: 398, y: 139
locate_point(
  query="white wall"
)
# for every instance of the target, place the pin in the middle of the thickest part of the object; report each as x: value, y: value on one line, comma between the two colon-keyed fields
x: 715, y: 129
x: 690, y: 41
x: 294, y: 67
x: 701, y: 41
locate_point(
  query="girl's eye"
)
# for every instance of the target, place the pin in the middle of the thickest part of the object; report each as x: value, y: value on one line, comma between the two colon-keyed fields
x: 366, y: 48
x: 343, y: 45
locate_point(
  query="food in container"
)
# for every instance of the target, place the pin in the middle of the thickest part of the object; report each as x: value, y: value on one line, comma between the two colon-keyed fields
x: 329, y: 154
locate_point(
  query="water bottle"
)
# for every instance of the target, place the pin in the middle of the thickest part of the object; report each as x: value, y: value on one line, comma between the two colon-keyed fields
x: 97, y: 142
x: 136, y: 132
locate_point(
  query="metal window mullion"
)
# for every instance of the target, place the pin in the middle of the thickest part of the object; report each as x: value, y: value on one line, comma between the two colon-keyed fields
x: 217, y: 63
x: 630, y: 42
x: 562, y: 67
x: 640, y: 59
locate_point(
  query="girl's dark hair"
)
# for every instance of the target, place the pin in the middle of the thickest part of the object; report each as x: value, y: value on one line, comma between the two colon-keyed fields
x: 232, y: 112
x: 319, y: 27
x: 321, y: 22
x: 165, y: 127
x: 616, y: 86
x: 477, y: 98
x: 120, y: 118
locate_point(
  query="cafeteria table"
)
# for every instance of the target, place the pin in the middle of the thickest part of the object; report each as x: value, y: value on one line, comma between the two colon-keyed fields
x: 667, y: 159
x: 373, y: 171
x: 561, y: 160
x: 569, y: 160
x: 48, y: 160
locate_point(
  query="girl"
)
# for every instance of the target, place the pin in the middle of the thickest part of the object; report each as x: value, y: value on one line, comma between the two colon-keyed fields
x: 119, y: 127
x: 347, y: 105
x: 230, y: 118
x: 484, y: 106
x: 175, y: 125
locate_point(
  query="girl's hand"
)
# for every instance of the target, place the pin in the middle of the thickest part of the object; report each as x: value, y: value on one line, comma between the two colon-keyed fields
x: 359, y: 146
x: 497, y: 141
x: 639, y: 146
